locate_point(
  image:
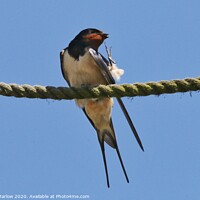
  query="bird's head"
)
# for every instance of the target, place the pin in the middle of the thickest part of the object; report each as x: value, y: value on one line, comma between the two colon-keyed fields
x: 91, y: 37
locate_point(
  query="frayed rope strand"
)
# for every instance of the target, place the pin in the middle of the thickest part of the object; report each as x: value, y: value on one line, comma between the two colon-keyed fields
x: 124, y: 90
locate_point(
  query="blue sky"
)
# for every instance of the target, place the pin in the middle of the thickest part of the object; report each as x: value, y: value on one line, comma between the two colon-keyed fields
x: 49, y: 147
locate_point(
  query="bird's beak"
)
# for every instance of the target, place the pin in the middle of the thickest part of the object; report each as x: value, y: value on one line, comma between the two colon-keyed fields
x: 105, y: 35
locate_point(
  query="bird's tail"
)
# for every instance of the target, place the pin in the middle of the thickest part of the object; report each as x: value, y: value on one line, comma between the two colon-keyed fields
x: 108, y: 135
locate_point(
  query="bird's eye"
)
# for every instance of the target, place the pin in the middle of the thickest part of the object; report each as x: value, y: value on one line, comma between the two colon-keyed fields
x: 95, y: 31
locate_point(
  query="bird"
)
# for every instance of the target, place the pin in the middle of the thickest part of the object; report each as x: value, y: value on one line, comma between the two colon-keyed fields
x: 83, y: 66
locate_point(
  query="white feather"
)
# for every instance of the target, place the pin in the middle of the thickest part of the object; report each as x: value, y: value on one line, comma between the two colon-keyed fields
x: 115, y: 71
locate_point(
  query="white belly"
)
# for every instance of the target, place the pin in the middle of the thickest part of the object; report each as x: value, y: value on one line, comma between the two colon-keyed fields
x: 84, y: 71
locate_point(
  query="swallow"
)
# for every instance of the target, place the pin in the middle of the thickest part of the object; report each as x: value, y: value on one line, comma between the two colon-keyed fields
x: 83, y: 65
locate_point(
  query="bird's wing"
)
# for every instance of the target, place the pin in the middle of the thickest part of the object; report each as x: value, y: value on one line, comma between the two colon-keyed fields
x: 103, y: 66
x: 62, y: 67
x: 100, y: 60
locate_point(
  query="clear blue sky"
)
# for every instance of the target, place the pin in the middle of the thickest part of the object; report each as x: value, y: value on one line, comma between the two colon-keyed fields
x: 49, y: 147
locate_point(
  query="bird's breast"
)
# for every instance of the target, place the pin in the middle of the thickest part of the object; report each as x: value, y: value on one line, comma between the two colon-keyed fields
x: 84, y: 71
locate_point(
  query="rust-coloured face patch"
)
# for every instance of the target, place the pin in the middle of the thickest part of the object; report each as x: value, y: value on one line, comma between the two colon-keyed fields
x: 95, y: 39
x: 94, y: 36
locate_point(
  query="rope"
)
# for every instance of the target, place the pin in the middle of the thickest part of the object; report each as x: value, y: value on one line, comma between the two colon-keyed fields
x: 128, y: 90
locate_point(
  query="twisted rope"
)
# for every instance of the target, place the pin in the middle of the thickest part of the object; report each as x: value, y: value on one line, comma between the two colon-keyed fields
x: 128, y: 90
